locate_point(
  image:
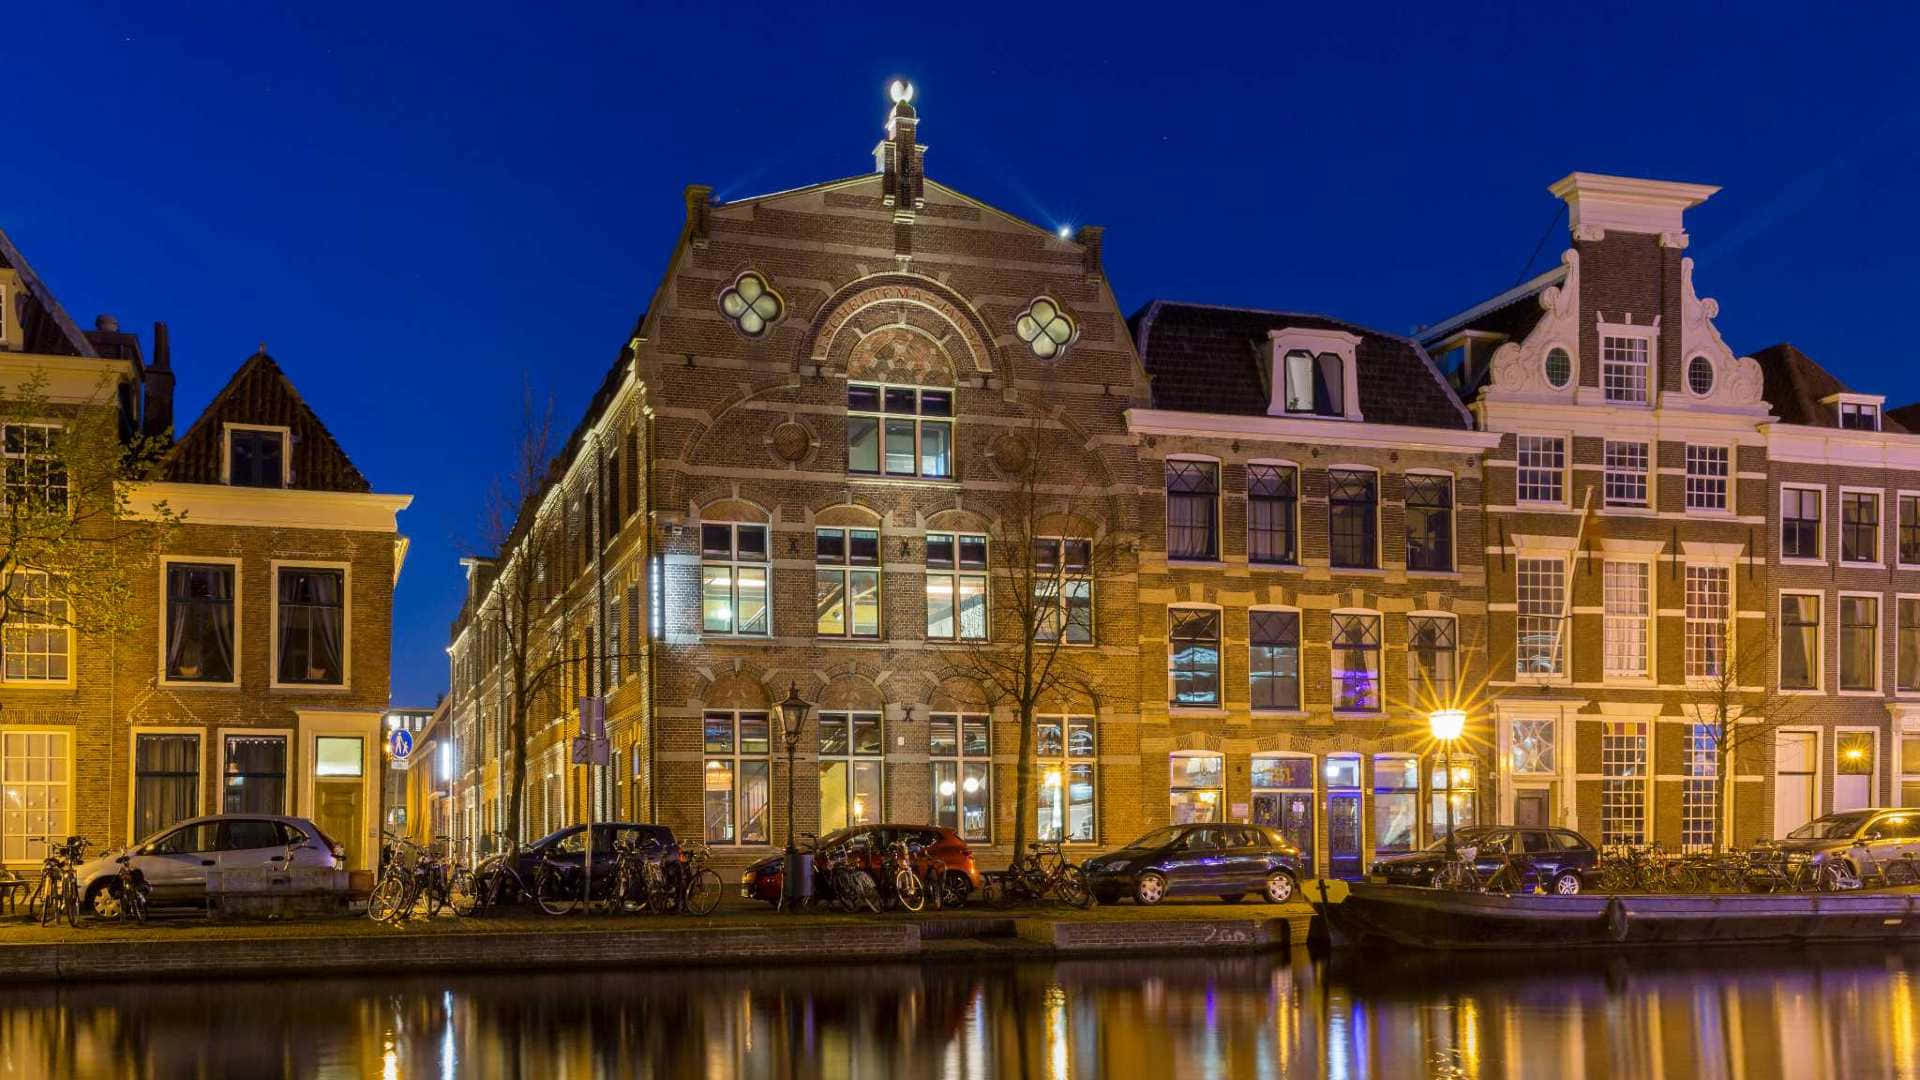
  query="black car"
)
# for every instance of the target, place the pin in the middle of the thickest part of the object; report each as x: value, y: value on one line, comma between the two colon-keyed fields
x: 1224, y: 860
x: 569, y: 846
x: 1561, y: 860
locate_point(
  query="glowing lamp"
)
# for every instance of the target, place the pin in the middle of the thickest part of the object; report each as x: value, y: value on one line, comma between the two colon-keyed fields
x: 1447, y: 724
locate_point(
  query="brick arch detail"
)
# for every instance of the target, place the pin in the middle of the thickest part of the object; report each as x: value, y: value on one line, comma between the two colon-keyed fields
x: 924, y: 292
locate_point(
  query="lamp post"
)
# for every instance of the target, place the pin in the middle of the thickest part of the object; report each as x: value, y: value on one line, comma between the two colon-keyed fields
x: 794, y: 878
x: 1446, y: 725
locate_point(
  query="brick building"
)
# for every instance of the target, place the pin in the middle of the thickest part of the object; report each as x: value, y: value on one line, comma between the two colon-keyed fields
x: 254, y: 671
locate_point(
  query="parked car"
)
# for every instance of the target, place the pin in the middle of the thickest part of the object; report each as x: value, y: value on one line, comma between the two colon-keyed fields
x: 762, y: 880
x: 568, y: 846
x: 1224, y: 860
x: 175, y: 861
x: 1563, y: 859
x: 1880, y: 834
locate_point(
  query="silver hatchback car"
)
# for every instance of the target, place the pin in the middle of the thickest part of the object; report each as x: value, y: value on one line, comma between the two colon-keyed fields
x: 176, y: 862
x: 1860, y: 844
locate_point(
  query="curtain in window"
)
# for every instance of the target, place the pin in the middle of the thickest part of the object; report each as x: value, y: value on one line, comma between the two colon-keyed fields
x: 200, y: 623
x: 166, y: 781
x: 1191, y: 490
x: 256, y: 779
x: 312, y: 627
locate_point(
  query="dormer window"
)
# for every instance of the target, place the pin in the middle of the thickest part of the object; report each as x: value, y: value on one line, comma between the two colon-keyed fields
x: 257, y: 456
x: 1855, y: 412
x: 1313, y: 374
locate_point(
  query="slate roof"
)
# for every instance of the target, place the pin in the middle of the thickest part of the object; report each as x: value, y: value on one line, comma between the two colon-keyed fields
x: 261, y: 393
x: 1794, y: 384
x: 45, y: 326
x: 1907, y: 416
x: 1209, y: 359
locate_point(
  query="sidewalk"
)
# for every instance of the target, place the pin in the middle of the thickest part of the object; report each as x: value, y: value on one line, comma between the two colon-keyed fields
x: 187, y: 946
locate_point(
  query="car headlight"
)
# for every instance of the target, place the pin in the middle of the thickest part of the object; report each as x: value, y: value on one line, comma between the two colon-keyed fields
x: 747, y: 878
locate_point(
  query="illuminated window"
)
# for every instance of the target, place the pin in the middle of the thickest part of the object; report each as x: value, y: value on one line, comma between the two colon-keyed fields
x: 1198, y: 780
x: 1541, y: 591
x: 956, y: 587
x: 733, y: 579
x: 1193, y: 643
x: 961, y: 750
x: 35, y: 768
x: 1623, y: 783
x: 1063, y: 589
x: 1396, y: 801
x: 38, y: 637
x: 847, y: 583
x: 1432, y: 652
x: 1624, y: 599
x: 1707, y: 614
x: 1045, y: 328
x: 899, y: 431
x: 1356, y: 663
x: 851, y: 763
x: 751, y: 305
x: 1064, y: 749
x: 737, y: 779
x: 1854, y: 773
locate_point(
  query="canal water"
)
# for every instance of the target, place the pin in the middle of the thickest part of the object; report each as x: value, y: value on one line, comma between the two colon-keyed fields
x: 1803, y: 1015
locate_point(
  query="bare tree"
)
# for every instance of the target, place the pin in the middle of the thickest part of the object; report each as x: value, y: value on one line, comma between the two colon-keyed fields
x: 72, y: 541
x: 1734, y: 699
x: 1049, y: 556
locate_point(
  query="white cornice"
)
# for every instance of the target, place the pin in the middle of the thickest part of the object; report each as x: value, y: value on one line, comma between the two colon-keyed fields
x: 218, y: 504
x: 1842, y: 446
x: 1627, y: 204
x: 1313, y: 432
x: 71, y: 380
x: 1617, y: 421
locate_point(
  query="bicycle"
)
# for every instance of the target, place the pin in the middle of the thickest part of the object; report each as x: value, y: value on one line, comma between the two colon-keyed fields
x: 851, y: 886
x: 125, y: 896
x: 1043, y: 873
x: 1456, y: 872
x: 906, y: 888
x: 58, y: 894
x: 1777, y: 871
x: 414, y: 872
x: 495, y: 881
x: 1860, y: 870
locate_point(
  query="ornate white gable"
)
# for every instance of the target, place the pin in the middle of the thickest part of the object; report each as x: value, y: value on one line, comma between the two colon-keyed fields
x: 1520, y: 367
x: 1737, y: 380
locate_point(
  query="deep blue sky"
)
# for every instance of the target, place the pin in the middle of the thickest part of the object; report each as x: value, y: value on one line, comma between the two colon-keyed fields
x: 416, y: 209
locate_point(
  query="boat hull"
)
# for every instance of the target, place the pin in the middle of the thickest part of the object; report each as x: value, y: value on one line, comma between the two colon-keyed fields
x: 1403, y: 917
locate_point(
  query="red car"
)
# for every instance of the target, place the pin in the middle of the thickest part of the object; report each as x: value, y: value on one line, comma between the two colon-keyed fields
x: 762, y: 880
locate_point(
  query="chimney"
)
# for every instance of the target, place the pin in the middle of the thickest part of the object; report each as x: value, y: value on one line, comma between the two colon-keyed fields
x: 157, y: 381
x: 1598, y: 204
x: 106, y: 324
x: 898, y: 156
x: 699, y: 201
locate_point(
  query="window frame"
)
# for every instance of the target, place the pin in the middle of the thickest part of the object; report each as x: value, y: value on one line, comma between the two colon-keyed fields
x: 1560, y: 652
x: 1562, y: 443
x: 920, y: 418
x: 1382, y: 793
x: 1375, y: 560
x: 1439, y: 697
x: 1219, y: 657
x: 845, y: 570
x: 1726, y: 480
x: 1879, y: 644
x: 1608, y: 473
x: 167, y: 561
x: 68, y: 735
x: 16, y: 625
x: 1219, y: 793
x: 1255, y: 669
x: 1879, y: 526
x: 1059, y: 602
x: 1648, y: 619
x: 1900, y: 689
x: 1841, y: 732
x: 1643, y: 780
x: 1378, y: 651
x: 1647, y: 337
x: 286, y: 453
x: 1289, y: 505
x: 43, y: 484
x: 955, y: 574
x: 1065, y: 761
x: 850, y: 759
x: 1690, y: 622
x: 733, y: 562
x: 1214, y: 551
x: 1819, y: 557
x: 288, y: 779
x: 735, y: 757
x: 1452, y: 510
x: 1902, y: 498
x: 1844, y: 408
x: 959, y: 760
x: 346, y: 625
x: 133, y: 775
x: 1819, y: 642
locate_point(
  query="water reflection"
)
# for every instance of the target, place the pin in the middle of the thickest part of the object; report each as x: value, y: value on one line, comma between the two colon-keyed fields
x: 1830, y: 1014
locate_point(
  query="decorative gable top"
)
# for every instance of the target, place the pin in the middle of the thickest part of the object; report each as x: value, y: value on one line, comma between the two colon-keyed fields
x: 260, y: 394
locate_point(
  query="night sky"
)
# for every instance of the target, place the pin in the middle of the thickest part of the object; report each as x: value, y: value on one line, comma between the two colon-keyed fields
x: 418, y: 210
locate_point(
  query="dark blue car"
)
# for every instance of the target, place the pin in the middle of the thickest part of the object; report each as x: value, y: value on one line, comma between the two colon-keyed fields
x: 1214, y: 859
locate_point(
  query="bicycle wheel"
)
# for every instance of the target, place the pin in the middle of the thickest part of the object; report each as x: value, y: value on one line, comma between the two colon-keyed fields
x: 866, y: 891
x: 1072, y: 888
x: 1901, y: 872
x: 1455, y: 876
x: 52, y: 902
x: 552, y: 891
x: 388, y: 896
x: 907, y: 890
x: 1836, y: 876
x: 463, y: 893
x: 435, y: 894
x: 703, y: 893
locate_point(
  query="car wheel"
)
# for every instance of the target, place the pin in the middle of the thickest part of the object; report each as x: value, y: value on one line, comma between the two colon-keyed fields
x: 1279, y: 888
x: 1567, y: 883
x: 1150, y: 889
x: 103, y: 902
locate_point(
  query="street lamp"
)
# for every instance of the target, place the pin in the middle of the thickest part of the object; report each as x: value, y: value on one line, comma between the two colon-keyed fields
x: 795, y: 879
x: 1446, y: 725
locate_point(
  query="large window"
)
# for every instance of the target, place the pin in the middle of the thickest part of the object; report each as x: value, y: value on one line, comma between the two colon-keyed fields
x: 1197, y: 783
x: 1193, y: 644
x: 38, y: 635
x: 1800, y: 522
x: 1696, y: 789
x: 1623, y: 369
x: 1316, y: 383
x: 737, y: 769
x: 733, y: 579
x: 1859, y: 643
x: 1356, y: 663
x: 1434, y: 659
x: 1453, y: 781
x: 1627, y: 610
x: 36, y: 477
x: 1625, y: 478
x: 1623, y: 783
x: 1909, y: 759
x: 1799, y: 641
x: 1708, y: 621
x: 899, y: 431
x: 961, y: 749
x: 1860, y: 526
x: 1859, y: 416
x: 956, y: 586
x: 1907, y: 667
x: 851, y: 763
x: 1283, y: 799
x: 1429, y: 522
x: 255, y: 776
x: 1063, y: 588
x: 311, y: 640
x: 1353, y: 514
x: 1396, y: 802
x: 166, y: 781
x: 36, y: 792
x: 1064, y: 750
x: 1541, y: 594
x: 200, y: 622
x: 1540, y: 469
x: 1533, y: 746
x: 1193, y: 510
x: 847, y: 583
x: 1273, y: 505
x: 1853, y: 770
x: 1706, y: 481
x: 256, y: 457
x: 1274, y: 644
x: 1909, y: 530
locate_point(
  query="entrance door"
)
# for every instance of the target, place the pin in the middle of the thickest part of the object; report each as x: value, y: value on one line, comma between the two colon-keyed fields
x: 1530, y: 808
x: 1292, y: 813
x: 339, y: 793
x: 1343, y: 835
x: 1796, y: 756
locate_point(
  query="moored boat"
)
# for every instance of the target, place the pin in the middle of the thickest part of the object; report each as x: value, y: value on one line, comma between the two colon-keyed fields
x: 1400, y: 916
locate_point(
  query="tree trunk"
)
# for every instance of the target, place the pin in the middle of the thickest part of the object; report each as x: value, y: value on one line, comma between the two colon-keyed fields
x: 1721, y: 754
x: 1023, y: 780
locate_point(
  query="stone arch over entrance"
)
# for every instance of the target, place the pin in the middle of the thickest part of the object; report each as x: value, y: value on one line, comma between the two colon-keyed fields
x: 923, y: 317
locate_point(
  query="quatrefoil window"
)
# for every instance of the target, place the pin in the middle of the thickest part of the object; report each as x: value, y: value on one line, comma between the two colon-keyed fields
x: 1045, y: 328
x: 751, y: 305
